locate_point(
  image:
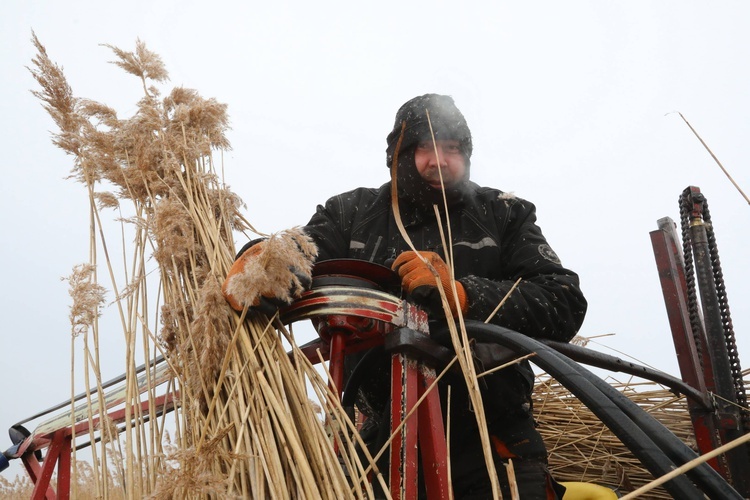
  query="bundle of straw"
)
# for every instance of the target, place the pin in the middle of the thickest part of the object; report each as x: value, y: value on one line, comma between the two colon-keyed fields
x: 245, y: 425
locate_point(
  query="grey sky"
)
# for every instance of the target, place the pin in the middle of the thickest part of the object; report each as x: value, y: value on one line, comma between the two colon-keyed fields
x: 568, y: 104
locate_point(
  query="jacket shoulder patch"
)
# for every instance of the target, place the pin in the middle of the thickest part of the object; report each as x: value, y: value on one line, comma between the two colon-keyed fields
x: 549, y: 254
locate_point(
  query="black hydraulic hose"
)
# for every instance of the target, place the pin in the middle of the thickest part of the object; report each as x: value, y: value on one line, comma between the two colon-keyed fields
x: 642, y: 446
x: 704, y: 475
x: 615, y: 364
x: 359, y: 372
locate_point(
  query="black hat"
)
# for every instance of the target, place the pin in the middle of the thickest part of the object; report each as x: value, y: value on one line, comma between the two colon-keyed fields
x: 446, y: 119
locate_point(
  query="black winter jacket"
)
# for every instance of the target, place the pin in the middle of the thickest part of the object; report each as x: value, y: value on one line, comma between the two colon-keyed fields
x: 495, y: 241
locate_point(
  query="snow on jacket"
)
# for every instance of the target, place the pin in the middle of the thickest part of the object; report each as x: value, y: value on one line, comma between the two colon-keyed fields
x: 495, y: 241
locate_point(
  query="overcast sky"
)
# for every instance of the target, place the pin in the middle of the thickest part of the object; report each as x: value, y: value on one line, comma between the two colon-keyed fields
x: 568, y: 102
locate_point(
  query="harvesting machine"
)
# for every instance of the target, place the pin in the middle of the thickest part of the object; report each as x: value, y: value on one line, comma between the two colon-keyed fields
x: 356, y: 305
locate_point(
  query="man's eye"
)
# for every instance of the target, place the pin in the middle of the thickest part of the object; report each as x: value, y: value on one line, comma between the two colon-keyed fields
x: 424, y: 146
x: 453, y: 148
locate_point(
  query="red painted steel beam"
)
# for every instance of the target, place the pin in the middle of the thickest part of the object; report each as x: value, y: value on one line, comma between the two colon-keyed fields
x: 34, y: 470
x: 674, y: 289
x: 404, y: 395
x: 59, y: 450
x: 432, y: 441
x: 63, y: 469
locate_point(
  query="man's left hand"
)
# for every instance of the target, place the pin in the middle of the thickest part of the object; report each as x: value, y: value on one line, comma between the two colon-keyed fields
x: 419, y: 280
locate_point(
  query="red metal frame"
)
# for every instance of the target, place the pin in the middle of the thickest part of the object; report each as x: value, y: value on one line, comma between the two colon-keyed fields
x: 404, y: 396
x: 674, y: 289
x: 58, y: 439
x: 349, y: 319
x: 41, y: 475
x: 432, y: 437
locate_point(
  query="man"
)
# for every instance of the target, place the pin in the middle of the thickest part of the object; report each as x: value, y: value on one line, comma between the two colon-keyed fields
x: 495, y: 241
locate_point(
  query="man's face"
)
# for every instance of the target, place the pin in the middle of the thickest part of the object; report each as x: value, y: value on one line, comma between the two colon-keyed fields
x: 449, y: 162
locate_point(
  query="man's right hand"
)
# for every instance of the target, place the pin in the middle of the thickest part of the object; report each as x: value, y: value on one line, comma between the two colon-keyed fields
x: 418, y: 279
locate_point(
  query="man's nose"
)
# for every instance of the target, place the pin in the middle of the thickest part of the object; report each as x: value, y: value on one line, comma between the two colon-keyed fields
x: 438, y: 159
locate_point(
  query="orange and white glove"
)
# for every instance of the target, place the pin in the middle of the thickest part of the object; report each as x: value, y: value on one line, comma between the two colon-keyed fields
x: 420, y: 281
x: 266, y: 279
x: 237, y: 268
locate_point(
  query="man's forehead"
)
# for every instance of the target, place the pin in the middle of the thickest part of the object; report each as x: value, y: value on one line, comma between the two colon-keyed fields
x: 428, y: 140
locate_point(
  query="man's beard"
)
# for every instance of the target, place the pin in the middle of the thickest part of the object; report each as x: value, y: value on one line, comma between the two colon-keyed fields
x: 415, y: 191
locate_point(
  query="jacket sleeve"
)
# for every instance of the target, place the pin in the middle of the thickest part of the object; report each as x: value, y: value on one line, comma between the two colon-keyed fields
x: 330, y: 229
x: 548, y: 302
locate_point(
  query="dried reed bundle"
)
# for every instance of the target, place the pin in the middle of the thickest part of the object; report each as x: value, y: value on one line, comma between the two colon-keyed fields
x: 246, y: 426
